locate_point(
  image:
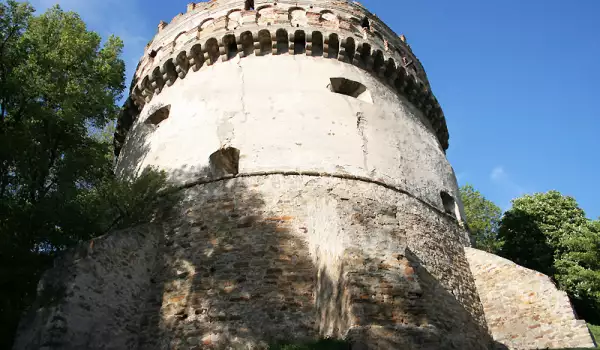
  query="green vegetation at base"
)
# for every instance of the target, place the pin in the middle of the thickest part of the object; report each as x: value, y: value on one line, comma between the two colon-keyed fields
x: 59, y: 88
x: 547, y: 232
x: 324, y: 344
x: 595, y: 333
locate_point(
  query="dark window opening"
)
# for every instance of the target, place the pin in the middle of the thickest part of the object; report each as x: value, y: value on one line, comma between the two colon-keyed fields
x: 283, y: 41
x: 247, y: 43
x: 449, y: 204
x: 350, y: 88
x: 230, y: 46
x: 299, y: 42
x: 365, y: 23
x: 350, y: 49
x: 152, y: 54
x: 225, y: 161
x: 249, y: 5
x: 333, y: 47
x: 317, y: 44
x: 378, y: 62
x: 159, y: 116
x: 212, y: 48
x: 264, y: 39
x: 365, y: 53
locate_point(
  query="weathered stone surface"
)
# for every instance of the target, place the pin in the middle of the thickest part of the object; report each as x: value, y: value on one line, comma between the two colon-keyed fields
x: 294, y: 258
x: 523, y: 308
x: 289, y: 124
x: 203, y: 38
x: 93, y: 296
x: 252, y: 260
x: 308, y: 208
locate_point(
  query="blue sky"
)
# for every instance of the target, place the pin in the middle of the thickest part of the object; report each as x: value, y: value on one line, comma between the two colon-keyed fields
x: 519, y: 82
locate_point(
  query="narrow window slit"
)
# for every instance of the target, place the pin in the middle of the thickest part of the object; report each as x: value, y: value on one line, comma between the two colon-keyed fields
x: 449, y: 203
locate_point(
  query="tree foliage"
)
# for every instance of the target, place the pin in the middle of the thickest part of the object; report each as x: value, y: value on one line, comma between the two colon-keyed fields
x: 550, y: 233
x: 483, y: 218
x: 58, y: 83
x: 577, y: 269
x: 533, y: 228
x: 546, y: 232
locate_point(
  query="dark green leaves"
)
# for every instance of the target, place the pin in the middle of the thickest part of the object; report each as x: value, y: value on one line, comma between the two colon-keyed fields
x: 548, y: 232
x: 59, y: 87
x: 483, y: 218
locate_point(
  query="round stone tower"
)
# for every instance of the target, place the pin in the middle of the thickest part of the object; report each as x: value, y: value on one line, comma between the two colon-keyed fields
x: 316, y: 197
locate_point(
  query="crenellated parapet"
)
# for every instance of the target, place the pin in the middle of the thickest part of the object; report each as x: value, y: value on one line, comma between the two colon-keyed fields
x: 205, y: 17
x: 221, y: 30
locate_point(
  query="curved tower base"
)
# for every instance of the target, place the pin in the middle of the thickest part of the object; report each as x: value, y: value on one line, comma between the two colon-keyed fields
x: 261, y: 259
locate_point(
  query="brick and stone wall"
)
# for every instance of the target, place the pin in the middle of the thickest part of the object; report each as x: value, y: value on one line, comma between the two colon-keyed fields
x: 93, y: 296
x: 266, y: 258
x: 523, y: 308
x: 258, y: 259
x: 316, y: 196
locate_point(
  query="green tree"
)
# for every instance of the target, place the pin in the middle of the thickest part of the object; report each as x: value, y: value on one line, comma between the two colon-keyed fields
x: 58, y: 83
x: 549, y: 232
x: 533, y: 228
x: 483, y: 218
x: 577, y: 269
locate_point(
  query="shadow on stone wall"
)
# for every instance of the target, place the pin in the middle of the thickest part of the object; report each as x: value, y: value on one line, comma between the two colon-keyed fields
x: 131, y: 158
x: 453, y: 310
x: 360, y: 310
x: 233, y: 268
x: 231, y: 273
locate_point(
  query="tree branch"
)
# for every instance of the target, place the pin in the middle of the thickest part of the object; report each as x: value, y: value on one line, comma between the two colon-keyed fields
x: 42, y: 190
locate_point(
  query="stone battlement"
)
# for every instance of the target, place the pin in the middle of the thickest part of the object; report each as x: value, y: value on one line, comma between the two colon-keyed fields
x: 219, y: 31
x: 206, y: 17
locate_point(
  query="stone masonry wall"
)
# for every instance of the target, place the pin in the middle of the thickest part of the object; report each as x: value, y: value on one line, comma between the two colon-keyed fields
x: 523, y: 308
x: 253, y: 260
x: 93, y: 296
x: 256, y: 260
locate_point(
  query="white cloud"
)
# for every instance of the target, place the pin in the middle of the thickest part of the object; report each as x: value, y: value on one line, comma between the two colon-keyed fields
x: 498, y: 174
x: 501, y: 178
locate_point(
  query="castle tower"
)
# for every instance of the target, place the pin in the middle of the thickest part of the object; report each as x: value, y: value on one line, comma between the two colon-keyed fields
x: 320, y: 199
x: 316, y: 199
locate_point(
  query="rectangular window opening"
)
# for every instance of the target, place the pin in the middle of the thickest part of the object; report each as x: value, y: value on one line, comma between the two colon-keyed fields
x: 350, y: 88
x: 159, y: 115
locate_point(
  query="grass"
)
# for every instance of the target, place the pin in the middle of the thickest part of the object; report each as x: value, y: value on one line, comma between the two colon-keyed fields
x: 325, y: 344
x: 595, y: 332
x: 331, y: 344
